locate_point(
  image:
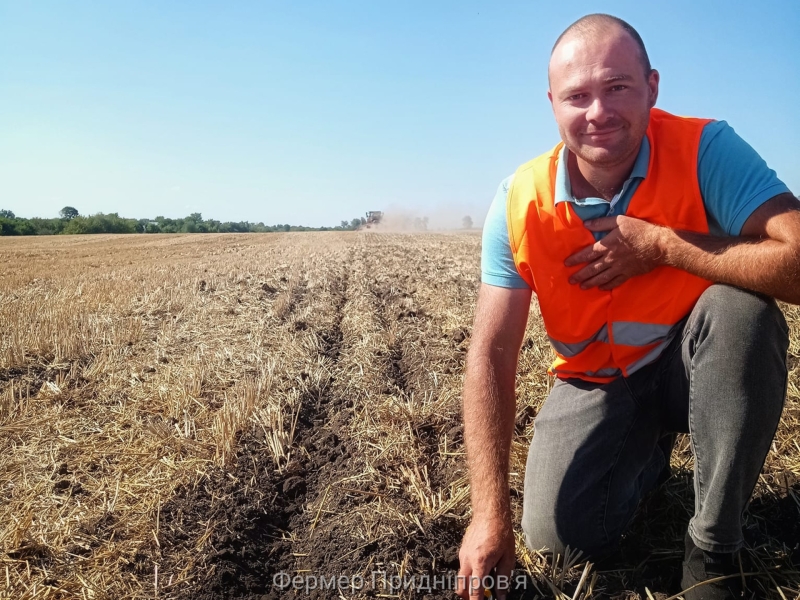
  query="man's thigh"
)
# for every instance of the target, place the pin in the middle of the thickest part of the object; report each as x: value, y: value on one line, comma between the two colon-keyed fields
x: 732, y: 344
x: 591, y: 457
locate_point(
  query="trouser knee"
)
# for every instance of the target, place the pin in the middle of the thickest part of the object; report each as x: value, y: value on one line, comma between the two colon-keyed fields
x: 540, y: 531
x: 739, y: 341
x: 562, y: 526
x: 747, y: 319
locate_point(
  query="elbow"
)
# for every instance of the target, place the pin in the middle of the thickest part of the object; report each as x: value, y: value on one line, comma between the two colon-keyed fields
x: 793, y: 284
x: 794, y: 292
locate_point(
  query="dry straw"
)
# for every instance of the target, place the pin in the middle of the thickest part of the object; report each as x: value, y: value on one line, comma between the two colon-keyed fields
x: 133, y: 367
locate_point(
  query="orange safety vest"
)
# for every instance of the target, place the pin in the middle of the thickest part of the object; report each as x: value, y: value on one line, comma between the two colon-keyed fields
x: 600, y: 335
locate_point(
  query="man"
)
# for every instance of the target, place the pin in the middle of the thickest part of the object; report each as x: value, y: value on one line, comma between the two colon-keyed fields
x: 656, y: 246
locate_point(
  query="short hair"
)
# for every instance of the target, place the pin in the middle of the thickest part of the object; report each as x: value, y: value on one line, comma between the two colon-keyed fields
x: 592, y: 24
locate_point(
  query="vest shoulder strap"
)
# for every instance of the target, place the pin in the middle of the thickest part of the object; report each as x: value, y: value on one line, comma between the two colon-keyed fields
x: 525, y: 188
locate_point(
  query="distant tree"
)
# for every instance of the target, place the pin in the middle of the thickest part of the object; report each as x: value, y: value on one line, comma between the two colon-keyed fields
x: 189, y: 226
x: 47, y: 226
x: 68, y: 212
x: 16, y: 227
x: 7, y: 227
x: 82, y: 225
x: 24, y: 227
x: 466, y: 222
x: 71, y: 222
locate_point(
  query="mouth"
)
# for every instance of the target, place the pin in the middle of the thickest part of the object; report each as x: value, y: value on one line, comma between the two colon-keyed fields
x: 600, y: 135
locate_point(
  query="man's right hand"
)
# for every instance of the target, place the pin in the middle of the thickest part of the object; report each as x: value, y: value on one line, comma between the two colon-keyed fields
x: 487, y: 549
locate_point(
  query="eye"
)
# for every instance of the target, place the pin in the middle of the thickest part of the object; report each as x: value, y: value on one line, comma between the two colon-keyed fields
x: 619, y: 88
x: 575, y: 97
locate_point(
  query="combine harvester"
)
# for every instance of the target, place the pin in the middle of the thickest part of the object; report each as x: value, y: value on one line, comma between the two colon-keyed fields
x: 373, y: 218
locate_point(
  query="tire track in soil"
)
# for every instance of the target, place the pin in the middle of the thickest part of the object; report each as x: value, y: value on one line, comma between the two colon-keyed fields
x: 260, y: 521
x: 385, y: 300
x: 287, y: 301
x: 259, y: 513
x: 432, y: 551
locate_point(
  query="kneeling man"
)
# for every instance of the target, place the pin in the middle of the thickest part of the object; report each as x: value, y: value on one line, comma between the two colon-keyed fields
x: 656, y: 246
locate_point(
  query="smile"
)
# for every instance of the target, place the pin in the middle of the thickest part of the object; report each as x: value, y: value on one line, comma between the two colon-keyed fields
x: 601, y: 134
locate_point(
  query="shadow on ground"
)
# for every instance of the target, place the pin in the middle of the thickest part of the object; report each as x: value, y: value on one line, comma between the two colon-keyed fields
x: 651, y: 553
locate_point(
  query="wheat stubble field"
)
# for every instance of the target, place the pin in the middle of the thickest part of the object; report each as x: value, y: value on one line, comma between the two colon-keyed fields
x: 188, y: 416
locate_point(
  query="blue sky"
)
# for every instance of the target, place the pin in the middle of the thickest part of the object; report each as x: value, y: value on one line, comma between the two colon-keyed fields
x: 310, y: 112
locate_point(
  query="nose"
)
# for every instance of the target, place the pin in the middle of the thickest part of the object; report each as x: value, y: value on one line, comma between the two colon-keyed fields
x: 599, y: 110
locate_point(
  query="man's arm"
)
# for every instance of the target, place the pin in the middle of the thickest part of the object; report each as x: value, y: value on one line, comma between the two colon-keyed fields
x: 765, y: 258
x: 489, y: 407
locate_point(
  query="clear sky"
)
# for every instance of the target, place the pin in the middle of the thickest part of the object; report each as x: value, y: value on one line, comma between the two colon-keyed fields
x: 310, y: 112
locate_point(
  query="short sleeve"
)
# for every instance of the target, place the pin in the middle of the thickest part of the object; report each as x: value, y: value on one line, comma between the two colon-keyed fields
x: 734, y: 179
x: 497, y: 262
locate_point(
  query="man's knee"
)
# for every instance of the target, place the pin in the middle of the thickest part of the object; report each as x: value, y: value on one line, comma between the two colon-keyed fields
x: 555, y: 523
x: 749, y: 317
x: 539, y: 525
x: 739, y: 345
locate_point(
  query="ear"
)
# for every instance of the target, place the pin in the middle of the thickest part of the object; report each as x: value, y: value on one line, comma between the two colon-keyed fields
x: 550, y: 97
x: 652, y: 83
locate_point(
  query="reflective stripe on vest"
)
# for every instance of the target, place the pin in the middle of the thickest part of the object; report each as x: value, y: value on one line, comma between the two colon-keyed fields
x: 611, y: 373
x: 631, y: 333
x: 573, y: 349
x: 599, y: 335
x: 626, y: 333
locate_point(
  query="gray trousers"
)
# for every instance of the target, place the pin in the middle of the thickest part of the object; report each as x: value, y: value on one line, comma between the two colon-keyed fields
x: 595, y: 450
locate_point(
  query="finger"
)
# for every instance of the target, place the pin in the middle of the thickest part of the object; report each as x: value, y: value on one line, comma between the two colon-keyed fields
x: 504, y: 568
x: 602, y: 224
x: 475, y: 584
x: 616, y: 282
x: 583, y: 255
x: 589, y: 271
x: 589, y: 253
x: 462, y: 590
x: 605, y: 277
x: 469, y: 583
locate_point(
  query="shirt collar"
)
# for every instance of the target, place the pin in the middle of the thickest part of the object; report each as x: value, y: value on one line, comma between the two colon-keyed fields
x: 563, y: 189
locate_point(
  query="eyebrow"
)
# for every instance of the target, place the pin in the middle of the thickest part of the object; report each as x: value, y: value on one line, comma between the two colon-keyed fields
x: 620, y: 77
x: 575, y: 89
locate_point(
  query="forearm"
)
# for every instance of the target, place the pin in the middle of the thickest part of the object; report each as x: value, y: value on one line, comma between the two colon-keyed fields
x: 761, y: 265
x: 489, y: 408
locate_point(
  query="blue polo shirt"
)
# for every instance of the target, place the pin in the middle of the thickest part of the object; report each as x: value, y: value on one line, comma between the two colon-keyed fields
x: 734, y: 181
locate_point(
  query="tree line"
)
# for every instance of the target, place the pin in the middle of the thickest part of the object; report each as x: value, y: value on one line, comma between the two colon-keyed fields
x: 70, y: 221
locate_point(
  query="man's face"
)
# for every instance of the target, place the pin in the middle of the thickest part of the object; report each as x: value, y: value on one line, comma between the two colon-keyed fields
x: 601, y: 96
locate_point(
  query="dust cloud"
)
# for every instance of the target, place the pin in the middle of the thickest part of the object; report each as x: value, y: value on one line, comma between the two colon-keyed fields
x: 441, y: 218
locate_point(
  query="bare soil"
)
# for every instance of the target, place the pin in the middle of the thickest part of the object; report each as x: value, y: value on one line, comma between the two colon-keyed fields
x: 190, y: 417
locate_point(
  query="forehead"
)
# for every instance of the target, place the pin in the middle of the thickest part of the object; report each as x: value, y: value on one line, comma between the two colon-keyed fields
x: 600, y: 55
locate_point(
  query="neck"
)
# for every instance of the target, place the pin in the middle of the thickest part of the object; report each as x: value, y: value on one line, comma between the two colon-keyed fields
x: 605, y: 182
